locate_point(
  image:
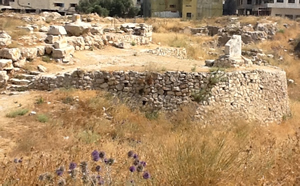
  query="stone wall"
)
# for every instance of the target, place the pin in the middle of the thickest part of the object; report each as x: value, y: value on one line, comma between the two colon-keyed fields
x: 259, y: 95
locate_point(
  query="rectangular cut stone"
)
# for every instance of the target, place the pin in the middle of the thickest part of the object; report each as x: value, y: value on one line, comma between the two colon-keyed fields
x: 233, y: 47
x: 62, y: 53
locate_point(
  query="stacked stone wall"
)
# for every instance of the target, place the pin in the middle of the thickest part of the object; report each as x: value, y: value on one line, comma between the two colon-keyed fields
x: 259, y: 95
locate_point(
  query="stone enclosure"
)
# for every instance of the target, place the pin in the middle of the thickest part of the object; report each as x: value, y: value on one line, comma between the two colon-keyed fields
x: 254, y: 95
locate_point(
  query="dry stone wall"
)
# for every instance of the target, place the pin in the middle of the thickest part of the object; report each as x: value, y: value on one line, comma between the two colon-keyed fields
x: 259, y: 95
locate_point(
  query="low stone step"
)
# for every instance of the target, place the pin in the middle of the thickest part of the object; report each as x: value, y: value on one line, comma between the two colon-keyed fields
x: 25, y: 76
x: 19, y: 88
x: 19, y: 81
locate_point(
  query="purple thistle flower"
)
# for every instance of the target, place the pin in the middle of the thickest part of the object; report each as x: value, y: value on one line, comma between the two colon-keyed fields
x: 59, y: 172
x: 135, y: 156
x: 41, y: 177
x: 136, y: 162
x: 105, y: 160
x: 20, y: 160
x: 16, y: 160
x: 143, y: 163
x: 102, y: 154
x: 132, y: 168
x: 95, y: 155
x: 98, y: 168
x: 72, y: 166
x: 146, y: 175
x: 130, y: 154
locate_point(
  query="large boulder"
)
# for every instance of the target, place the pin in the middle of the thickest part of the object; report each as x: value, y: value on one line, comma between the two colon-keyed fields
x: 77, y: 28
x: 57, y: 30
x: 77, y: 42
x: 29, y: 53
x: 10, y: 53
x: 63, y: 53
x: 3, y: 78
x: 5, y: 39
x: 6, y: 64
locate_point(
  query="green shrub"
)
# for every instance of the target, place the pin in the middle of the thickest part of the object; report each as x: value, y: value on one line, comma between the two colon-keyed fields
x: 16, y: 113
x: 46, y: 59
x: 42, y: 118
x: 40, y: 100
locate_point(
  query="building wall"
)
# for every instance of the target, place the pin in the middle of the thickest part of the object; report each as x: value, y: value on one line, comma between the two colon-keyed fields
x: 60, y: 5
x: 286, y: 12
x: 198, y: 9
x: 166, y: 8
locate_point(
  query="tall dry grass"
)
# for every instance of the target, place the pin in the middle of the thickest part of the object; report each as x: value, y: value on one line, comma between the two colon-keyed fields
x: 178, y: 150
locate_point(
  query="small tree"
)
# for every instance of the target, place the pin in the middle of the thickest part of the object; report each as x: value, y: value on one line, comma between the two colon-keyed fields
x: 133, y: 11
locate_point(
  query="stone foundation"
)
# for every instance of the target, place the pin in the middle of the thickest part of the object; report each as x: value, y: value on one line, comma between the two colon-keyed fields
x: 254, y: 95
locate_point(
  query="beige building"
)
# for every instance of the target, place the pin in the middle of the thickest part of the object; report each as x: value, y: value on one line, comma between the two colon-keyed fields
x: 286, y: 8
x: 55, y: 5
x: 198, y: 9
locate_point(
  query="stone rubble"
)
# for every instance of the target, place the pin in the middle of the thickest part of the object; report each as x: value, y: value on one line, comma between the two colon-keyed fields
x: 5, y: 39
x: 179, y: 53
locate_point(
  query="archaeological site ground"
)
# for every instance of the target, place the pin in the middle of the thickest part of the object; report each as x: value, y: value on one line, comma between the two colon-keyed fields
x: 88, y: 100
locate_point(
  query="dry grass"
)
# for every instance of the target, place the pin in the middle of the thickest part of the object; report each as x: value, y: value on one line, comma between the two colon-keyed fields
x: 10, y: 26
x: 182, y: 151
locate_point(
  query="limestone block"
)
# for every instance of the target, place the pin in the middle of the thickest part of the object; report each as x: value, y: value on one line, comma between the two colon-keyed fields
x: 6, y: 64
x: 3, y: 78
x: 233, y: 48
x: 57, y: 30
x: 10, y: 53
x: 5, y: 39
x: 40, y: 50
x: 29, y: 53
x: 50, y: 39
x: 48, y: 49
x: 77, y: 28
x: 20, y: 63
x: 60, y: 44
x: 97, y: 30
x: 62, y: 53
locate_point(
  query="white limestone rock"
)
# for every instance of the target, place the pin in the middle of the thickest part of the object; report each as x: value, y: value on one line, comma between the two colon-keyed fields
x: 10, y: 53
x: 5, y: 39
x: 57, y: 30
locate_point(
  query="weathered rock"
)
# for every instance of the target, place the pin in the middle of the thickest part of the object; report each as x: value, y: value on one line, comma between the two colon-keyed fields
x: 61, y: 43
x: 77, y: 42
x: 63, y: 53
x: 44, y: 29
x: 41, y: 68
x: 6, y: 64
x: 10, y: 53
x: 96, y: 30
x: 57, y: 30
x: 40, y: 50
x: 77, y: 28
x: 50, y: 39
x: 3, y: 78
x: 20, y: 63
x: 29, y: 53
x: 52, y: 15
x: 48, y: 49
x: 5, y: 39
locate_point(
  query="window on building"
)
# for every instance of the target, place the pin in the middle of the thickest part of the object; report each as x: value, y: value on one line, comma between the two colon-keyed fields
x: 73, y: 4
x: 188, y: 5
x: 249, y: 2
x: 172, y: 6
x: 188, y: 15
x: 59, y: 4
x: 291, y: 1
x: 278, y: 15
x: 258, y: 2
x: 289, y: 16
x: 280, y: 1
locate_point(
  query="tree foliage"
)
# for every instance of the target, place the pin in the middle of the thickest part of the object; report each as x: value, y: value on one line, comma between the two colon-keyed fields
x: 120, y: 8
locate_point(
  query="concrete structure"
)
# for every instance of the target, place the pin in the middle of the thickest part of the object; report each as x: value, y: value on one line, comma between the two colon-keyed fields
x: 162, y: 8
x: 54, y: 5
x: 285, y: 8
x: 198, y: 9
